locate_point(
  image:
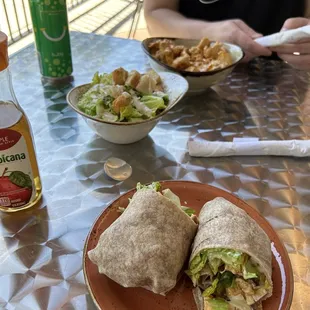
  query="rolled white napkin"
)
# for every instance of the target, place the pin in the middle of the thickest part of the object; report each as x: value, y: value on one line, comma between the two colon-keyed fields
x: 285, y: 37
x: 249, y: 147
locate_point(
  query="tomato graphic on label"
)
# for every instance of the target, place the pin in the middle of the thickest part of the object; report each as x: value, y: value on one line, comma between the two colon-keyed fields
x: 15, y: 188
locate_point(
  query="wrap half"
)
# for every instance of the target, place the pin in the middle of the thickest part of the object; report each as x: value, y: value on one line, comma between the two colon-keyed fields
x: 230, y: 263
x: 147, y: 245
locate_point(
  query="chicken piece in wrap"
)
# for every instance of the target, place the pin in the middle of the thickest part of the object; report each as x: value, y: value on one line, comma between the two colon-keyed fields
x: 149, y: 243
x: 230, y: 264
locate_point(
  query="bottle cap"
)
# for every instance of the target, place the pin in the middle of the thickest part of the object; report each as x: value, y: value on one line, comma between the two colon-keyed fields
x: 4, y: 59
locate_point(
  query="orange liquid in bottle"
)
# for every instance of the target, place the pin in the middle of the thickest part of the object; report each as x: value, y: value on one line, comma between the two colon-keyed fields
x: 20, y: 184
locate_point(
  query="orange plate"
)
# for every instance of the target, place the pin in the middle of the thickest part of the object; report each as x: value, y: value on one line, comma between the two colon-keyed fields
x: 108, y: 295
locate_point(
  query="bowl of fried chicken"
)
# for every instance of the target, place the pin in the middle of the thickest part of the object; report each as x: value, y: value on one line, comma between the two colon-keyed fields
x: 202, y: 62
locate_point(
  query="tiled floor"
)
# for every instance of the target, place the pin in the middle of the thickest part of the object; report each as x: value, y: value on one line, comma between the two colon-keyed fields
x: 120, y: 18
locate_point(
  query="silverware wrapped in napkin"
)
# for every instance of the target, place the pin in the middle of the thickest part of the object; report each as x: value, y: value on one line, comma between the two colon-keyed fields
x: 285, y: 37
x: 249, y: 147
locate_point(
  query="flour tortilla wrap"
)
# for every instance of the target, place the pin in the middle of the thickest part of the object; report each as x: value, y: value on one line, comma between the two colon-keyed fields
x: 147, y: 245
x: 230, y: 251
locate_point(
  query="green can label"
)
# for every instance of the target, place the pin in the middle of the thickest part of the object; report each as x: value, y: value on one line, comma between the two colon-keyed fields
x: 50, y: 26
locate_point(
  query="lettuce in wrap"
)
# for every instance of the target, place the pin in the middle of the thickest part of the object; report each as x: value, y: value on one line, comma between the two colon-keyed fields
x: 229, y: 270
x: 166, y: 193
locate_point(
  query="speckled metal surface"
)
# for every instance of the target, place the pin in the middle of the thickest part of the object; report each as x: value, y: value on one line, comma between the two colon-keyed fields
x: 41, y: 249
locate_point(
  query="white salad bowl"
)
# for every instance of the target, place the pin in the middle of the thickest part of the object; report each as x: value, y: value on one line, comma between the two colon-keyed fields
x: 198, y: 81
x: 175, y: 86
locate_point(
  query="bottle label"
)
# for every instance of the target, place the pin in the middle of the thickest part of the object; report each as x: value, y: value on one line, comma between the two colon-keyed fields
x: 16, y: 177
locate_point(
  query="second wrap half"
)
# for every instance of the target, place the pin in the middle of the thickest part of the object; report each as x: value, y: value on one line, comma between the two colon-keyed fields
x: 230, y: 261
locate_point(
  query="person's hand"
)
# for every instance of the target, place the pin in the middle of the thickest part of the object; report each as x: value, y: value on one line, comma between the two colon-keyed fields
x: 237, y: 32
x: 297, y: 54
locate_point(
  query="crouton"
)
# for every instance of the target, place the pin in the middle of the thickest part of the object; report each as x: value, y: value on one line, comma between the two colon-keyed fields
x: 154, y: 75
x: 133, y: 79
x: 119, y: 76
x: 146, y: 85
x: 121, y: 101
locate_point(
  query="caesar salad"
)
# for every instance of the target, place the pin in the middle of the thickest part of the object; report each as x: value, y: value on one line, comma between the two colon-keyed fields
x: 123, y: 96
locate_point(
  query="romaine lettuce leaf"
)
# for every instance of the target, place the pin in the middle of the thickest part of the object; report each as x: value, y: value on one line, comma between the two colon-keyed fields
x: 136, y: 114
x: 211, y: 289
x: 267, y: 285
x: 197, y: 263
x: 142, y: 108
x: 168, y: 194
x: 217, y: 304
x: 162, y: 95
x: 89, y: 101
x: 206, y: 270
x: 154, y: 186
x: 100, y: 109
x: 104, y: 78
x: 88, y: 106
x: 194, y: 277
x: 107, y: 101
x: 154, y: 103
x: 129, y: 112
x: 259, y: 294
x: 188, y: 210
x: 214, y: 264
x: 125, y: 112
x: 239, y: 303
x: 96, y: 78
x: 229, y: 257
x: 109, y: 117
x: 215, y: 258
x: 104, y: 105
x: 250, y: 271
x: 176, y: 200
x: 171, y: 196
x: 135, y: 119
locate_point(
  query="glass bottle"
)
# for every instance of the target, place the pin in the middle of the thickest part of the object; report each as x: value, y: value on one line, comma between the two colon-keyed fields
x: 20, y: 184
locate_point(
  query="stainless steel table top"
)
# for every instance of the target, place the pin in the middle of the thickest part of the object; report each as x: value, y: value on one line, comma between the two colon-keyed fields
x: 41, y: 249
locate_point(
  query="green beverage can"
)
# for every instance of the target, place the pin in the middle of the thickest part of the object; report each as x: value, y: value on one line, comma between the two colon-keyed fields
x: 51, y: 31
